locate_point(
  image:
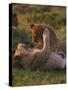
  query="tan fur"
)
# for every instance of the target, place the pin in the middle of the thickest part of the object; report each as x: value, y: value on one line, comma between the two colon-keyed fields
x: 37, y: 31
x: 42, y: 59
x: 33, y: 59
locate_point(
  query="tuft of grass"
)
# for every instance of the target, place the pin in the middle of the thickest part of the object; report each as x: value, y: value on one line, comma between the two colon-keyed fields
x: 27, y: 78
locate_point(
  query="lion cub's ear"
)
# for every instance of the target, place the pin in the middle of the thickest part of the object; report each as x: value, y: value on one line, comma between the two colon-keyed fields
x: 32, y: 26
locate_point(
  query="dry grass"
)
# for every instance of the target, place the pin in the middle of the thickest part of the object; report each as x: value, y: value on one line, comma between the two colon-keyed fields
x: 26, y: 78
x: 56, y: 18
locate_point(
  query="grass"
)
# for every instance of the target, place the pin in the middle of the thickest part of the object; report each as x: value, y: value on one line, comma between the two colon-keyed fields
x: 27, y: 78
x: 56, y: 18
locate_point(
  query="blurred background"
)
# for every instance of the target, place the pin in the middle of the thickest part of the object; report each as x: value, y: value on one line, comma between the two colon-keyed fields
x: 25, y: 14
